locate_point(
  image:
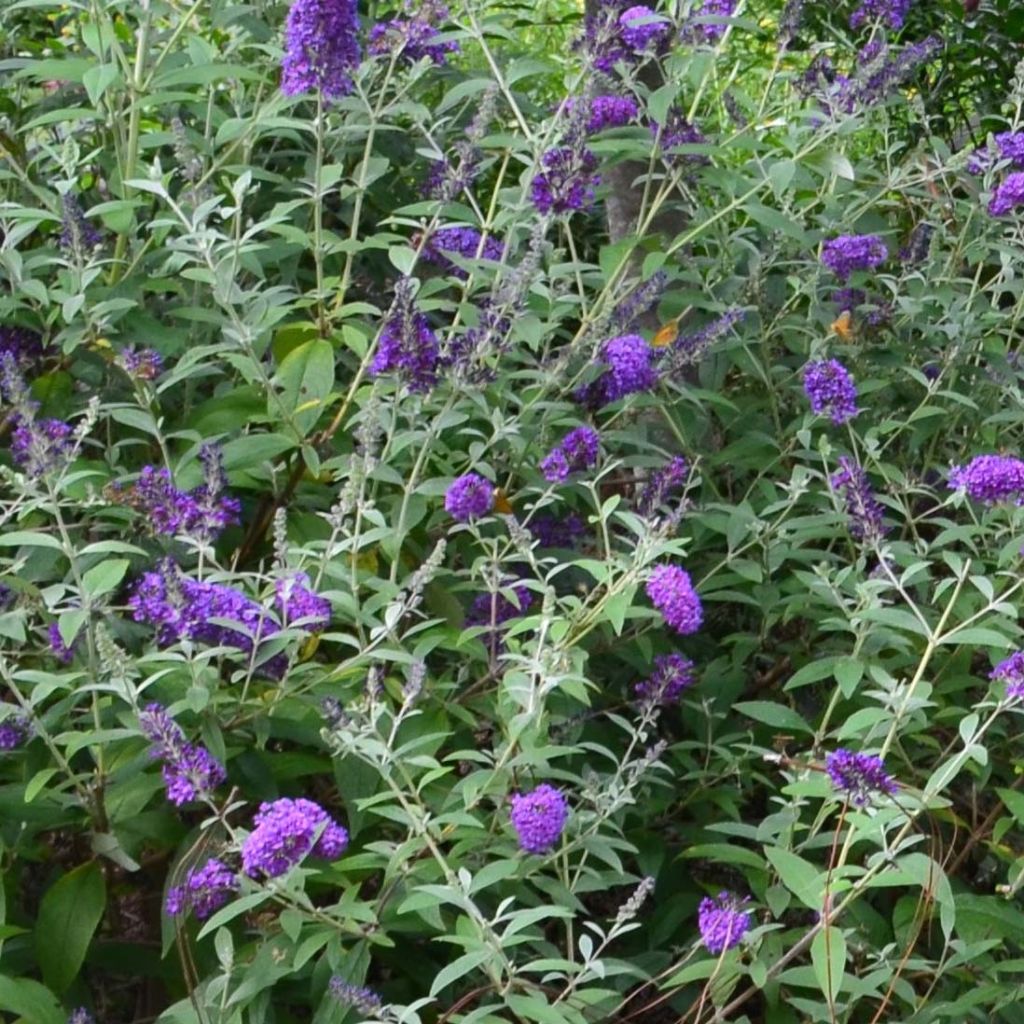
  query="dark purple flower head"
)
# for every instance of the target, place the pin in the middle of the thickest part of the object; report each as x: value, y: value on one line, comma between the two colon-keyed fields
x: 892, y: 12
x: 460, y: 240
x: 496, y: 609
x: 830, y: 390
x: 41, y: 446
x: 1009, y: 194
x: 709, y: 32
x: 208, y: 613
x: 606, y: 111
x: 23, y: 346
x: 642, y: 298
x: 858, y: 776
x: 641, y: 28
x: 359, y: 997
x: 469, y: 497
x: 673, y: 674
x: 140, y: 363
x: 321, y: 48
x: 880, y: 71
x: 203, y: 512
x: 204, y: 890
x: 722, y: 922
x: 566, y: 181
x: 299, y: 605
x: 415, y: 37
x: 285, y: 832
x: 630, y: 368
x: 848, y: 299
x: 1011, y: 147
x: 864, y: 511
x: 539, y: 818
x: 671, y: 591
x: 1011, y: 671
x: 660, y: 484
x: 77, y: 236
x: 990, y: 479
x: 678, y: 130
x: 62, y: 651
x: 14, y: 731
x: 847, y: 253
x: 407, y: 345
x: 558, y: 531
x: 190, y: 771
x: 578, y: 451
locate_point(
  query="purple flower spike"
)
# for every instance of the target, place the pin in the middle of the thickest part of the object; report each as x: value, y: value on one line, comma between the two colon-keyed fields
x: 1008, y: 195
x: 321, y: 48
x: 673, y: 674
x: 661, y: 483
x: 1011, y: 671
x: 578, y: 451
x: 892, y: 12
x: 672, y: 593
x: 722, y: 922
x: 285, y: 832
x: 990, y: 479
x: 297, y: 604
x: 830, y: 389
x: 14, y: 731
x: 847, y: 253
x: 408, y: 346
x: 566, y: 181
x: 858, y: 776
x: 641, y: 27
x: 189, y: 771
x: 63, y: 652
x: 41, y: 446
x: 464, y: 241
x: 359, y: 997
x: 630, y: 362
x: 184, y: 609
x: 539, y: 818
x: 469, y: 497
x: 558, y: 531
x: 204, y: 891
x: 864, y: 511
x: 608, y: 111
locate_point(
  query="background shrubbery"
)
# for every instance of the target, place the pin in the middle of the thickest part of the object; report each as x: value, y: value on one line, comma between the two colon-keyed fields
x: 480, y: 533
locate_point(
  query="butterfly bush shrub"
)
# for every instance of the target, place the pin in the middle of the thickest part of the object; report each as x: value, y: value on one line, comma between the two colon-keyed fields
x: 507, y: 515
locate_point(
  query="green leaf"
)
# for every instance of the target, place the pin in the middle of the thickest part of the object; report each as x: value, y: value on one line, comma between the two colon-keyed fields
x: 29, y: 538
x: 612, y: 257
x: 455, y: 970
x: 828, y: 957
x: 68, y: 916
x: 778, y: 716
x: 97, y: 80
x: 799, y: 876
x: 102, y: 578
x: 306, y: 377
x: 33, y: 1002
x: 781, y: 175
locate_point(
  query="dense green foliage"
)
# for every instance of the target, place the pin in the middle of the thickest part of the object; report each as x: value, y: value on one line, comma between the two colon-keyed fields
x: 267, y: 246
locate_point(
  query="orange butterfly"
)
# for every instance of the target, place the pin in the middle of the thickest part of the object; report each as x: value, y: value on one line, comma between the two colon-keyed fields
x: 501, y: 503
x: 843, y: 326
x: 666, y: 334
